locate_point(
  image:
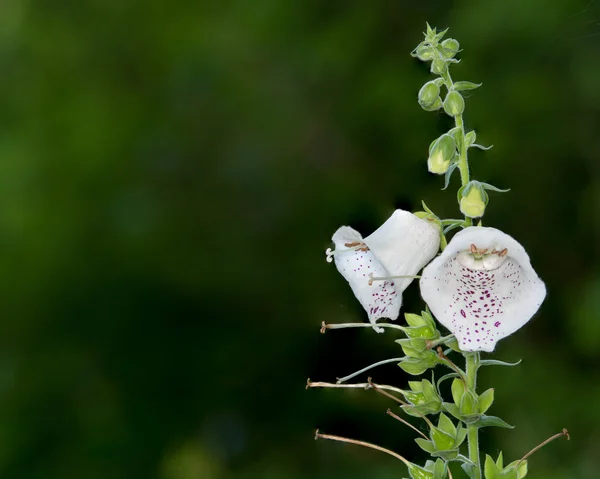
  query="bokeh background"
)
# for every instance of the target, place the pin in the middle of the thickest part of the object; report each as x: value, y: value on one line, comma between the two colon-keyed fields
x: 170, y: 176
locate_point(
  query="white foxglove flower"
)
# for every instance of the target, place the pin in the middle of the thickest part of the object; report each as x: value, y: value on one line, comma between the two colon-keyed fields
x: 376, y: 266
x: 482, y: 287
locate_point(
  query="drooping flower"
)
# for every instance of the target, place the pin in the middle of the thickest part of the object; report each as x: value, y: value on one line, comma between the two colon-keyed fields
x: 377, y: 266
x: 482, y: 287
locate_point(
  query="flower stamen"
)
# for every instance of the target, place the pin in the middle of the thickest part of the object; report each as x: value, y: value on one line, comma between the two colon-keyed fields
x: 386, y: 278
x: 355, y: 246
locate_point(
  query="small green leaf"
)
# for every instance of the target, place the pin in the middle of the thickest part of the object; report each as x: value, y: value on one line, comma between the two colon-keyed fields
x: 448, y: 174
x: 458, y: 390
x: 446, y: 425
x: 470, y: 138
x: 426, y: 445
x: 414, y: 320
x: 485, y: 400
x: 493, y: 362
x: 470, y: 470
x: 416, y: 386
x: 429, y: 390
x: 461, y: 434
x: 490, y: 470
x: 487, y: 186
x: 417, y: 472
x: 442, y: 440
x: 439, y: 470
x: 414, y: 366
x: 486, y: 421
x: 452, y: 409
x: 481, y: 147
x: 500, y: 461
x: 443, y: 378
x: 465, y: 85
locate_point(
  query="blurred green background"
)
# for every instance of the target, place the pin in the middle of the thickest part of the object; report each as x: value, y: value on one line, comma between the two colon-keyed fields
x: 170, y: 176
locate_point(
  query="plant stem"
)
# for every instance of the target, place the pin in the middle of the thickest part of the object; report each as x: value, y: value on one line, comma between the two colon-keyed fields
x: 463, y: 162
x: 472, y: 430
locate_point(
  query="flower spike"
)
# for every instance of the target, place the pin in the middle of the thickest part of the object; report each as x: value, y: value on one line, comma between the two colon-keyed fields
x: 395, y: 252
x: 482, y: 287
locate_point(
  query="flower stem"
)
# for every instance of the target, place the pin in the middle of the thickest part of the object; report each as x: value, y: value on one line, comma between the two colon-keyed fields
x: 463, y: 162
x: 472, y: 366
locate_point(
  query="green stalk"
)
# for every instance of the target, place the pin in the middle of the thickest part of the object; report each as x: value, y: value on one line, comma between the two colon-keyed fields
x: 463, y: 162
x: 472, y: 429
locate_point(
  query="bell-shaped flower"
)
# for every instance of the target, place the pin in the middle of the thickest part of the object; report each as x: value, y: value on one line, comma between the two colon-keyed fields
x: 482, y: 287
x: 382, y: 265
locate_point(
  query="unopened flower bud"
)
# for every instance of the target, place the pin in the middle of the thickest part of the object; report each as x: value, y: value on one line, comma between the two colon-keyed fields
x: 454, y: 104
x: 438, y: 66
x: 441, y: 154
x: 451, y: 46
x: 424, y: 53
x: 428, y: 94
x: 472, y: 199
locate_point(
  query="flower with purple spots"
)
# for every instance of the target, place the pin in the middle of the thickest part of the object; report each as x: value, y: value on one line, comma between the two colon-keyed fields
x: 482, y: 287
x: 382, y: 265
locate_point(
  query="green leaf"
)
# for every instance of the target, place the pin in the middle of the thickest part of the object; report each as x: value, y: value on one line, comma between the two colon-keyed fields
x: 461, y: 434
x: 470, y: 138
x: 416, y: 386
x: 470, y: 470
x: 414, y: 320
x: 521, y: 470
x: 417, y: 472
x: 442, y: 440
x: 426, y: 445
x: 458, y: 390
x: 481, y: 147
x: 490, y: 470
x: 493, y: 362
x: 486, y: 421
x: 500, y: 461
x: 446, y: 425
x: 447, y: 455
x: 439, y: 470
x: 414, y: 366
x: 448, y: 174
x: 485, y: 400
x: 487, y: 186
x: 443, y: 378
x: 465, y: 85
x: 452, y: 409
x: 429, y: 390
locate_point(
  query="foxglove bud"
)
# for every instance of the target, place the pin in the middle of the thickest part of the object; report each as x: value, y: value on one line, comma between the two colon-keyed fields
x: 429, y: 94
x: 438, y: 66
x: 441, y: 154
x: 451, y: 46
x: 454, y: 104
x: 472, y: 199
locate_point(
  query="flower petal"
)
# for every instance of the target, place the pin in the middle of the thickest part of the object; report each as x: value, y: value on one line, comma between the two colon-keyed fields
x: 482, y: 287
x: 381, y: 299
x: 404, y: 244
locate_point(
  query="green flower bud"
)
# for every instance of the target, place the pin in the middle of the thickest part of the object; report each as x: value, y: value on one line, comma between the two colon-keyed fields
x: 436, y: 105
x: 424, y: 53
x: 441, y: 154
x: 454, y: 104
x: 451, y: 46
x: 428, y: 94
x: 438, y: 66
x: 472, y: 199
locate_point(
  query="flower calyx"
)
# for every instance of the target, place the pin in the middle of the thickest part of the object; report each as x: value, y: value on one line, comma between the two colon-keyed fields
x: 473, y: 198
x: 496, y: 470
x: 432, y: 470
x: 423, y: 399
x: 444, y: 440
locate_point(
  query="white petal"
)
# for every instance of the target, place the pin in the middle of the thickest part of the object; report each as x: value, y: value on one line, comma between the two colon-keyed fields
x: 482, y: 300
x: 381, y: 300
x: 403, y: 245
